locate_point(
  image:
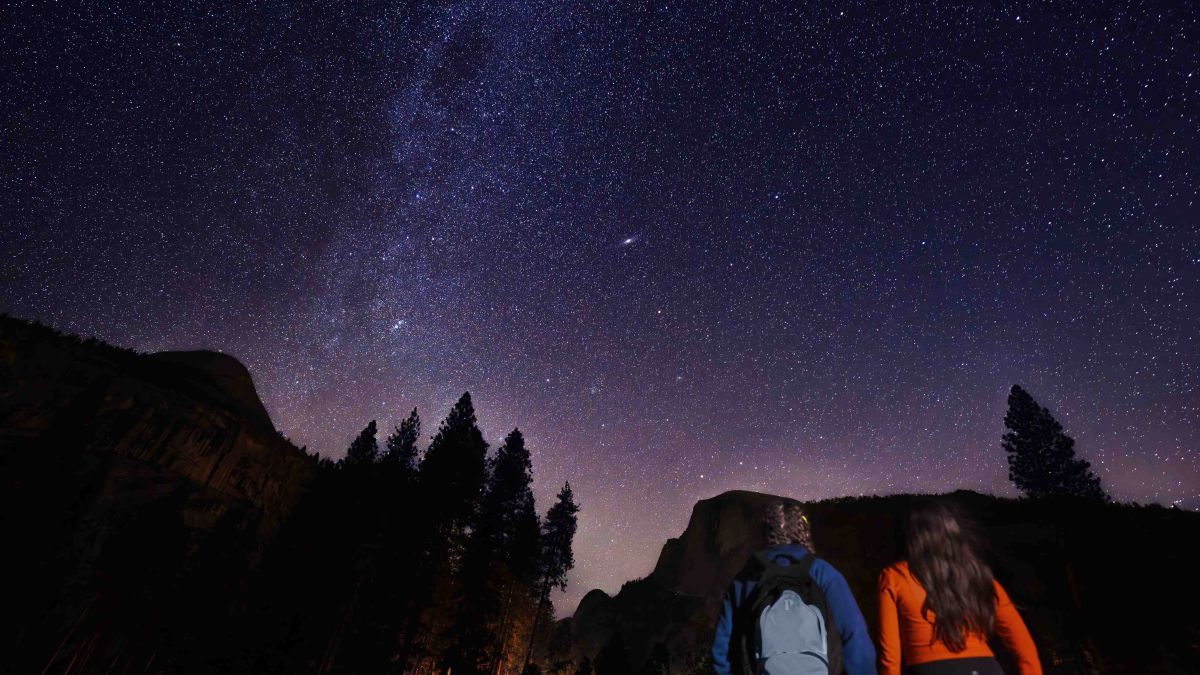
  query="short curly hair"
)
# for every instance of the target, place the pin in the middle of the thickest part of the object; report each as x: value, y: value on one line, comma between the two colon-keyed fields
x: 787, y: 524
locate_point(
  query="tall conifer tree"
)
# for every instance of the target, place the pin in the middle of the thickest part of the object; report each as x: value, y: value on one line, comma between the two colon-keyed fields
x: 508, y: 519
x: 502, y: 558
x: 402, y: 445
x: 450, y: 482
x: 1041, y: 456
x: 558, y: 557
x: 451, y: 477
x: 365, y: 449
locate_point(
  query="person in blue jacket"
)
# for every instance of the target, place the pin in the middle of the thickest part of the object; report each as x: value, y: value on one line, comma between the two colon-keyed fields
x: 789, y: 537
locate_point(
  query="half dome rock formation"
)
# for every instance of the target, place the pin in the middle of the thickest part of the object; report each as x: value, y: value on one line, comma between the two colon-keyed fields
x: 138, y: 488
x: 676, y: 604
x: 721, y: 534
x: 1078, y: 571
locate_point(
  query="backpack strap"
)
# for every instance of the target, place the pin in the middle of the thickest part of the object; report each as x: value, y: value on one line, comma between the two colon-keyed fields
x: 741, y: 655
x: 806, y: 564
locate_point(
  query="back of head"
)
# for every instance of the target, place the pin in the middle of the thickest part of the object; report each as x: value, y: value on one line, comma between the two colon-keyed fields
x: 787, y: 524
x: 940, y: 549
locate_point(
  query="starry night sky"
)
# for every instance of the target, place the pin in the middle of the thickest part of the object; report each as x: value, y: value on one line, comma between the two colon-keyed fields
x: 685, y: 248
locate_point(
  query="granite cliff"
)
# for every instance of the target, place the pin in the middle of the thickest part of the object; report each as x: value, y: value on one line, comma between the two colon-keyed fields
x: 138, y: 490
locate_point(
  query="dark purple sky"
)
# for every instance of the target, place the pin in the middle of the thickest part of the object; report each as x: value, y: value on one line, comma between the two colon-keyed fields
x: 686, y: 248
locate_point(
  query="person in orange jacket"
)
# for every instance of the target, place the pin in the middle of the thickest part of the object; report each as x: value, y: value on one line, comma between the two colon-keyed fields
x: 938, y: 606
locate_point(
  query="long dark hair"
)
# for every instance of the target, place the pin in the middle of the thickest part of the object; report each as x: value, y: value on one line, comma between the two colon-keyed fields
x: 940, y: 546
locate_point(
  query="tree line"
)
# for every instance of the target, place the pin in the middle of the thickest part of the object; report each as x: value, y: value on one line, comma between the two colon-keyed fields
x: 406, y: 561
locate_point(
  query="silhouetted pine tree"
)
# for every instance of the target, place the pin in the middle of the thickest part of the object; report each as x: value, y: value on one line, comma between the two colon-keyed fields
x: 364, y: 449
x: 402, y: 446
x: 452, y: 476
x: 450, y: 482
x: 558, y: 536
x: 613, y: 658
x: 501, y: 560
x: 1041, y: 457
x: 558, y: 557
x: 386, y: 558
x: 508, y: 521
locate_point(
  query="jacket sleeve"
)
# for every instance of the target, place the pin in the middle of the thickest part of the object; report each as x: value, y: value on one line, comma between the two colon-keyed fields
x: 857, y: 650
x: 889, y: 627
x: 720, y: 645
x: 1012, y: 631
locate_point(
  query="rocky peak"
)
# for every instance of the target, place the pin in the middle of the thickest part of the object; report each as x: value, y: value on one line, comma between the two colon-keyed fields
x: 721, y: 534
x: 225, y: 378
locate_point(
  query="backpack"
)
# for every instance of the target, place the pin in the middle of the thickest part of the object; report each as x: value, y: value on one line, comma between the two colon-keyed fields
x: 784, y: 627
